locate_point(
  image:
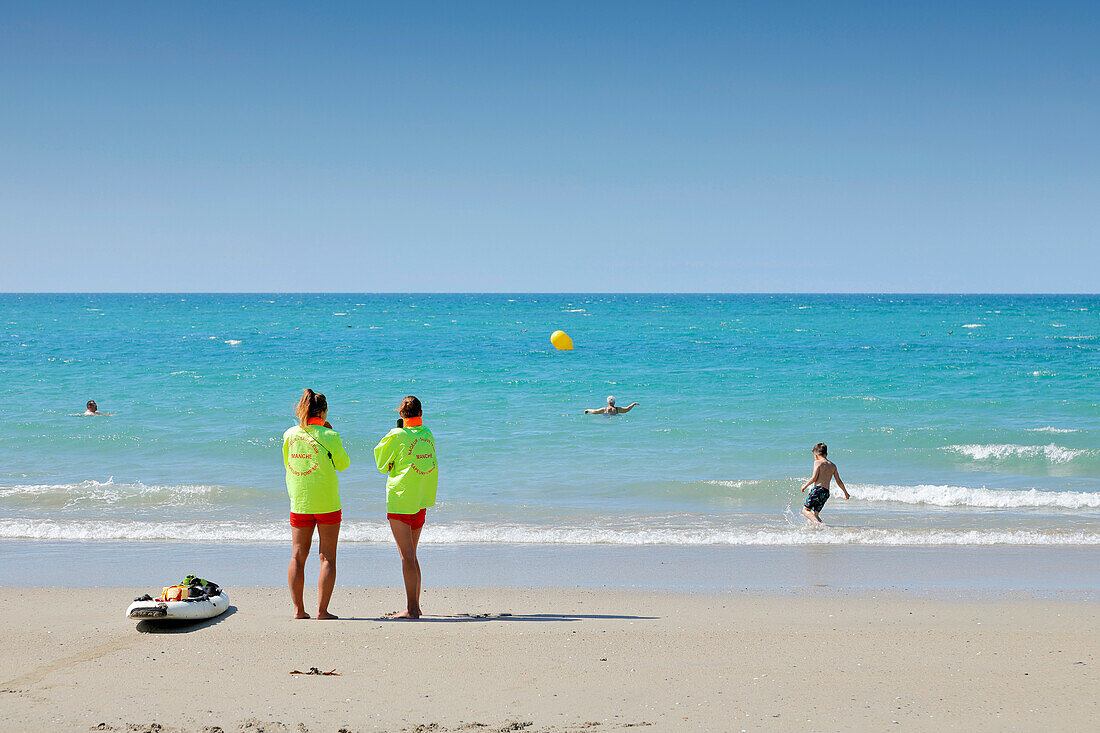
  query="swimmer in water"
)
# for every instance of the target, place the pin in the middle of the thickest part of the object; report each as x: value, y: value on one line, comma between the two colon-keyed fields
x: 93, y: 409
x: 611, y: 409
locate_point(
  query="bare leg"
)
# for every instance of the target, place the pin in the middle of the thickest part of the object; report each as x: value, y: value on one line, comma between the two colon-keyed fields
x: 327, y: 536
x: 419, y: 577
x: 410, y: 568
x: 301, y: 538
x: 811, y: 515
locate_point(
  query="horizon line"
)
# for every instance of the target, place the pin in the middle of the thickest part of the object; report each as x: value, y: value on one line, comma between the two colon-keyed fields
x: 811, y: 293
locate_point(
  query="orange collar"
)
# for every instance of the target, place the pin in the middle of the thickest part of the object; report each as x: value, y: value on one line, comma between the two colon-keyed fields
x: 315, y: 421
x: 414, y: 422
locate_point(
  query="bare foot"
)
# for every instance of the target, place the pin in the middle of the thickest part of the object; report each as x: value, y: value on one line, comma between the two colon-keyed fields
x: 406, y: 614
x: 301, y: 614
x: 326, y: 616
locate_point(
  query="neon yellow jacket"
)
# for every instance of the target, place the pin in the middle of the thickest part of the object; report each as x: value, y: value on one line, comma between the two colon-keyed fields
x: 408, y: 455
x: 310, y: 475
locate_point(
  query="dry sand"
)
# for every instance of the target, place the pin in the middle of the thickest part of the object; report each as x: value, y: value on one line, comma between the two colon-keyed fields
x: 566, y: 659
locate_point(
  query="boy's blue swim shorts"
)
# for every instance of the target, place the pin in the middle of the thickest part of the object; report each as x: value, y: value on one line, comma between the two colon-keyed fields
x: 817, y: 498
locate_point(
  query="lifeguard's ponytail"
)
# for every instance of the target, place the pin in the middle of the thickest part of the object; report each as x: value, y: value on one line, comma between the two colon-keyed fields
x: 312, y: 404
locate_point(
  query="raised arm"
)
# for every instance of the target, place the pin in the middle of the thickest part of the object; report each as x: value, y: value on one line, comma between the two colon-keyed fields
x: 340, y: 459
x: 384, y: 453
x: 600, y: 411
x: 814, y: 478
x: 628, y: 408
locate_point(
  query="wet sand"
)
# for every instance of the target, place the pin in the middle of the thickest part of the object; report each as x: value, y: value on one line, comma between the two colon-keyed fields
x: 1067, y: 572
x: 564, y: 659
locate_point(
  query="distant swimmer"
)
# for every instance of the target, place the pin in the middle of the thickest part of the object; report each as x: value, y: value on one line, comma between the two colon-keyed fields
x: 824, y: 472
x: 611, y: 409
x: 93, y: 409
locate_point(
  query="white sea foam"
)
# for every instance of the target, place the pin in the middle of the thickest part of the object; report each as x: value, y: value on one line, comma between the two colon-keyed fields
x: 107, y: 493
x: 964, y: 496
x: 973, y: 325
x: 740, y: 484
x: 451, y: 533
x: 233, y: 342
x: 1049, y: 429
x: 1000, y: 451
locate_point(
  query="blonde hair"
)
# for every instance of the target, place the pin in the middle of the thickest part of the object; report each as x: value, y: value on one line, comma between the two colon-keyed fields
x: 312, y: 404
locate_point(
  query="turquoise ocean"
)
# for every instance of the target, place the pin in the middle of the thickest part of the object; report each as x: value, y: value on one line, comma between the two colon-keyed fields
x: 954, y: 420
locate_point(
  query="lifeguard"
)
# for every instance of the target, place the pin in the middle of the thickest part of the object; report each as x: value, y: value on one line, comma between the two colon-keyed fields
x: 312, y: 454
x: 407, y: 454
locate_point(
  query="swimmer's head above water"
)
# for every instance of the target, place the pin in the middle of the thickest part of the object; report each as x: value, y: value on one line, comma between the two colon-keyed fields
x: 93, y: 409
x: 611, y: 408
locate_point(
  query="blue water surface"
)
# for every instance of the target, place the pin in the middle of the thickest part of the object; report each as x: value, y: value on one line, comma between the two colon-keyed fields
x: 972, y: 419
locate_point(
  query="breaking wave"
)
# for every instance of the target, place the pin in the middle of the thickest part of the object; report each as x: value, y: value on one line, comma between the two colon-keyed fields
x: 970, y: 497
x: 100, y: 494
x: 459, y: 532
x: 999, y: 451
x: 1049, y: 429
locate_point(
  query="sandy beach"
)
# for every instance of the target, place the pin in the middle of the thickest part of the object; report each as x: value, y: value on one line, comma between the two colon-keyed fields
x: 552, y: 659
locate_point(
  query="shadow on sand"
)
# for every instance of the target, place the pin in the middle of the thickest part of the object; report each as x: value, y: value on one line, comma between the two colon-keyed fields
x: 175, y: 626
x: 463, y: 618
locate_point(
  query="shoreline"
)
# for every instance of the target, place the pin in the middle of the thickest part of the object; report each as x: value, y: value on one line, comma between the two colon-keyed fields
x: 1071, y: 573
x: 566, y: 659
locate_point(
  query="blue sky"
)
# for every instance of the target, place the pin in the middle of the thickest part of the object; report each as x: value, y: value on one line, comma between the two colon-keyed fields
x: 670, y: 147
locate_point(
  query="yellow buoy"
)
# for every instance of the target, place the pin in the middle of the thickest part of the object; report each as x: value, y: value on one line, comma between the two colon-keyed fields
x: 561, y: 341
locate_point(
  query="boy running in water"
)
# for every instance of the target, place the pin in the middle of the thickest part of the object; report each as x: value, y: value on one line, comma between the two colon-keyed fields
x: 824, y: 472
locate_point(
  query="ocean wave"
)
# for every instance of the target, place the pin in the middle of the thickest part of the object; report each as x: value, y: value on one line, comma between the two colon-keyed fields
x: 973, y: 325
x: 107, y: 493
x: 963, y: 496
x: 1049, y: 429
x: 480, y: 533
x: 1000, y: 451
x: 739, y: 484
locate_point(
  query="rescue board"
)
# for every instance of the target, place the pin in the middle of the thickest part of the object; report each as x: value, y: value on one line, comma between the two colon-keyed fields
x: 196, y: 610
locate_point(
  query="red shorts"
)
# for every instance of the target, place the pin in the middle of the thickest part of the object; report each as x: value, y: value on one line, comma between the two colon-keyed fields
x: 416, y: 521
x: 310, y: 520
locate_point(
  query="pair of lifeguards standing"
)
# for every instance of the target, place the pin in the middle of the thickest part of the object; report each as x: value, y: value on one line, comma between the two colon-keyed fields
x: 312, y: 455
